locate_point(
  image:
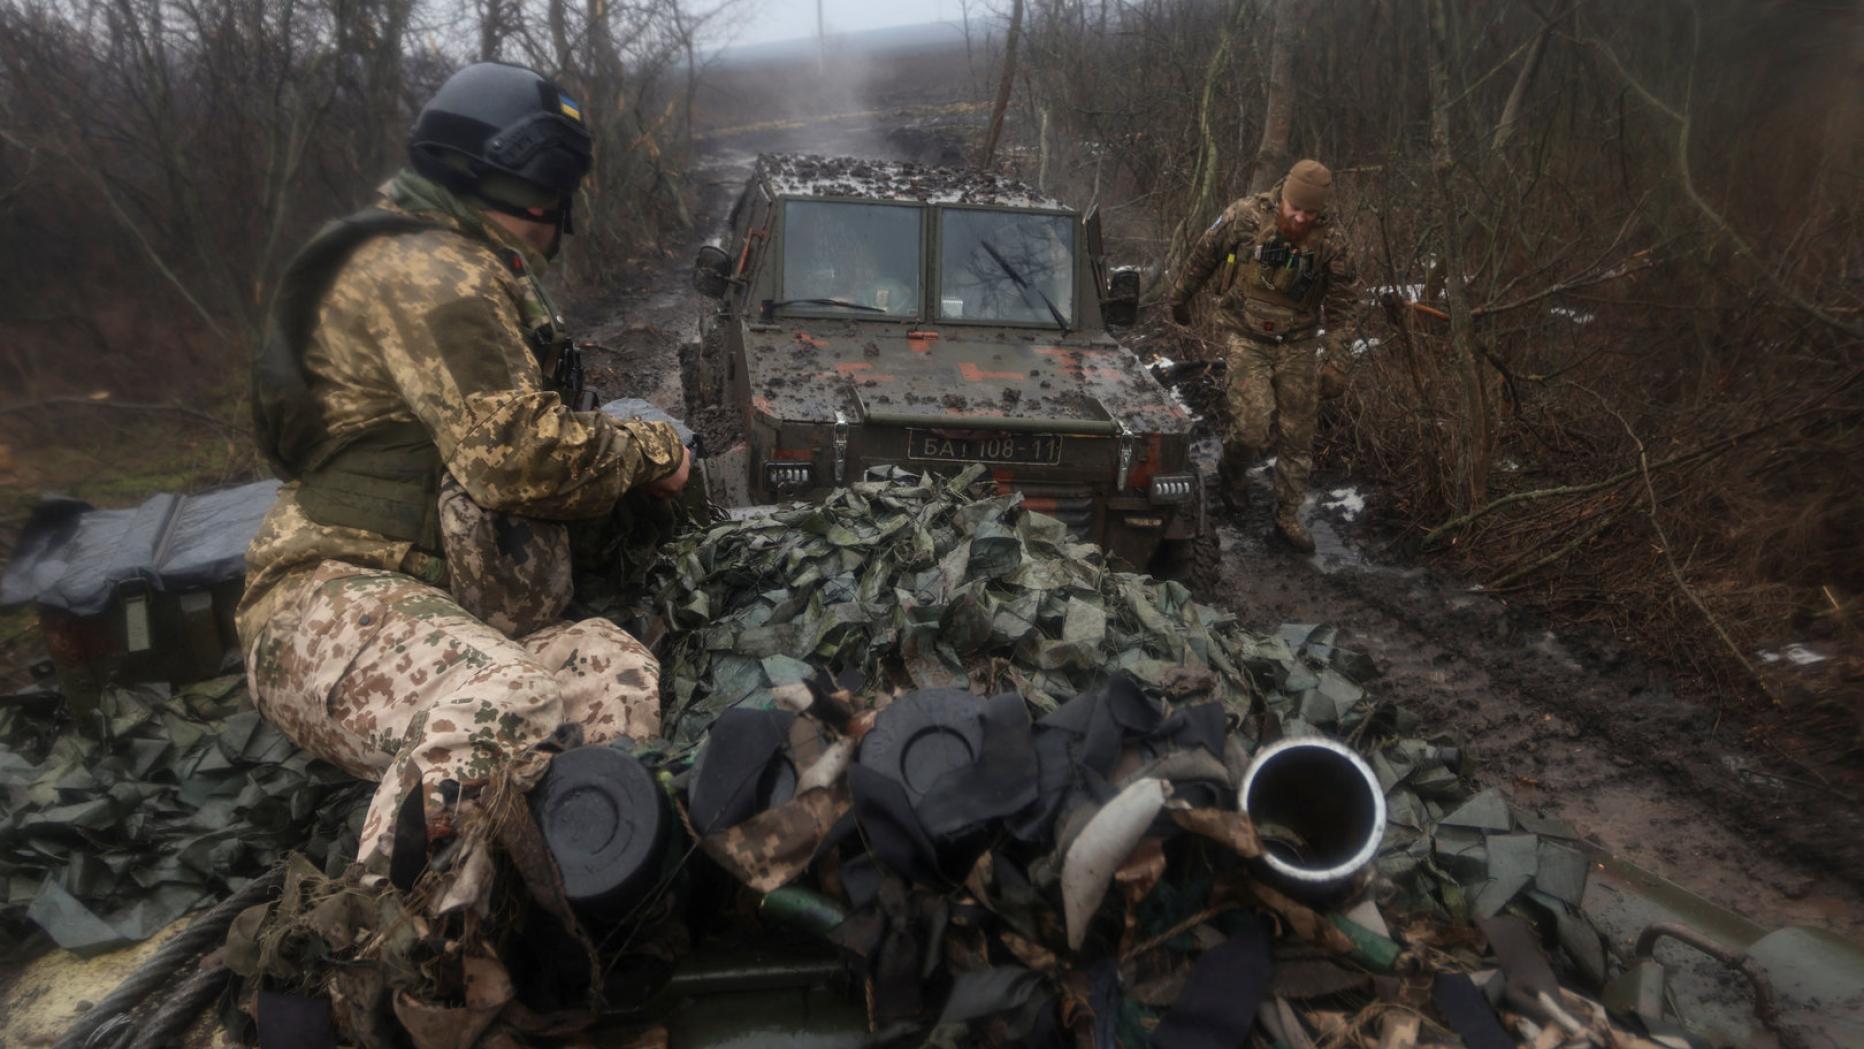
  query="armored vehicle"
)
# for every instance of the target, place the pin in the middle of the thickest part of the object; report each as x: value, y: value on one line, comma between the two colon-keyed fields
x: 877, y: 313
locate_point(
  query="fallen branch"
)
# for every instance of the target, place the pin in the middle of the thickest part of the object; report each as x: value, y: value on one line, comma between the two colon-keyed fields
x: 1706, y: 451
x: 1603, y: 522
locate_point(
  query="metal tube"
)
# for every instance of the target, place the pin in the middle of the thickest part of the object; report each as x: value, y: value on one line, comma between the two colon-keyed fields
x: 1319, y: 810
x: 1766, y: 1007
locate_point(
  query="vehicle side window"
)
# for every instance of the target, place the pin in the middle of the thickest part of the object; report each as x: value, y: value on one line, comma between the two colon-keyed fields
x: 842, y: 256
x: 1006, y: 266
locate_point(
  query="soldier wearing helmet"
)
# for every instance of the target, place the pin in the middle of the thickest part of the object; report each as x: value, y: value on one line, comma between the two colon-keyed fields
x: 403, y: 617
x: 1284, y: 272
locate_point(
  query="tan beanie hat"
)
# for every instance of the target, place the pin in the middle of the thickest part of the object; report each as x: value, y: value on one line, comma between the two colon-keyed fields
x: 1308, y: 185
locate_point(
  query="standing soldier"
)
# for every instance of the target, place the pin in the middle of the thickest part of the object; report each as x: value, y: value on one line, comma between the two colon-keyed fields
x: 402, y: 616
x: 1282, y: 265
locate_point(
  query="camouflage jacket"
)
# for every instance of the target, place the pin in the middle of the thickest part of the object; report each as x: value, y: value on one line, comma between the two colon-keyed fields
x: 1260, y: 299
x: 429, y: 328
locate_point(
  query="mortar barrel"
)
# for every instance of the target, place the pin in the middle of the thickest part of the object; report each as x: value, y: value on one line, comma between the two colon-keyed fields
x: 1320, y: 813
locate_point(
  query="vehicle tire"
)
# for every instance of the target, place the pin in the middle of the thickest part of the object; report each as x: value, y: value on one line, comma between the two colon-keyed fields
x: 1196, y: 562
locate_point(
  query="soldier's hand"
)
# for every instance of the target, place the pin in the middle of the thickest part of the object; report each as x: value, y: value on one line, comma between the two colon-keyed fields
x: 669, y: 486
x: 1181, y: 313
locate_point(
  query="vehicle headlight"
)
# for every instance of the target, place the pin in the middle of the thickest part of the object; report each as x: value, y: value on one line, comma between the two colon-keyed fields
x: 1173, y: 488
x: 788, y: 474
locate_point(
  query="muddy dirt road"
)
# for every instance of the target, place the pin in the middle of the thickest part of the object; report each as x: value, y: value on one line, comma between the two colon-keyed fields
x: 1575, y: 727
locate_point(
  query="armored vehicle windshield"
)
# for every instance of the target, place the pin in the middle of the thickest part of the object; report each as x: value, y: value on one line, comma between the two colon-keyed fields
x: 841, y: 256
x: 1006, y: 267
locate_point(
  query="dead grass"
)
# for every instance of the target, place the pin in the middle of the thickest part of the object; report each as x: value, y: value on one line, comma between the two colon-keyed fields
x: 1744, y: 540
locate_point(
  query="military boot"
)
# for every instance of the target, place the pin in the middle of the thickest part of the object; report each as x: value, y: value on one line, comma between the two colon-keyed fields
x: 1233, y: 476
x: 1288, y: 525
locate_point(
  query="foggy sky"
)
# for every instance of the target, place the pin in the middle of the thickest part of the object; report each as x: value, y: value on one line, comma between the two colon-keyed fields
x: 785, y: 19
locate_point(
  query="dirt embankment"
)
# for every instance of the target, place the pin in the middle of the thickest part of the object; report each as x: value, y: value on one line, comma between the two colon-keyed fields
x: 1576, y: 726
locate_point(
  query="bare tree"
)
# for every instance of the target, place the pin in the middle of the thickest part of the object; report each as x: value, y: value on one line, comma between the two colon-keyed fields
x: 1278, y: 109
x: 1003, y: 87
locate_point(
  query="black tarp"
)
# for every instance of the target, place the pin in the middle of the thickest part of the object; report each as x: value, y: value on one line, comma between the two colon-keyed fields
x: 73, y: 557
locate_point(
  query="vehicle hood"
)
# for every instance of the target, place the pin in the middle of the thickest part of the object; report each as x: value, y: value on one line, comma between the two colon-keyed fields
x: 808, y: 370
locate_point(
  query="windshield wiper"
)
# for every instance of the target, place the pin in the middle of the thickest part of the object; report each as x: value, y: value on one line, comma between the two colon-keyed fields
x: 771, y: 307
x: 1017, y: 278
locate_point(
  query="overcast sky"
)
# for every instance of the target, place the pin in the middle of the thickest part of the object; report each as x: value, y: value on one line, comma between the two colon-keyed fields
x: 784, y: 19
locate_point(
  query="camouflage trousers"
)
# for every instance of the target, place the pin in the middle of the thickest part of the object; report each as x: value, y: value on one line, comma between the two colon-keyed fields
x: 389, y: 679
x: 1274, y: 390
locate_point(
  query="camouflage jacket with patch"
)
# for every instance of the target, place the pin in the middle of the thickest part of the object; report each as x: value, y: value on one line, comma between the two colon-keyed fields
x: 430, y: 327
x: 1227, y: 247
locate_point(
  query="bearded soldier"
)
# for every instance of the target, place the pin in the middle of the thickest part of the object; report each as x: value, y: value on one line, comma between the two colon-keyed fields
x: 403, y: 611
x: 1282, y: 272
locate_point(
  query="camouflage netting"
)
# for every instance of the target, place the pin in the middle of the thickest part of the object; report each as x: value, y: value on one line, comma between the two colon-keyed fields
x: 900, y: 584
x: 110, y: 832
x: 915, y: 585
x: 974, y: 920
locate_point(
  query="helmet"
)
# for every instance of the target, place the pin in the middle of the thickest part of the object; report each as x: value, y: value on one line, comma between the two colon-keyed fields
x: 492, y: 123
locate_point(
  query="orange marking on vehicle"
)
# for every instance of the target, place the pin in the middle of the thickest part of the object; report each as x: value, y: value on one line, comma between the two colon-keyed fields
x: 1098, y: 372
x: 762, y: 404
x: 1139, y: 478
x: 972, y: 373
x: 744, y: 255
x: 845, y: 367
x: 920, y: 341
x: 809, y: 340
x: 793, y: 453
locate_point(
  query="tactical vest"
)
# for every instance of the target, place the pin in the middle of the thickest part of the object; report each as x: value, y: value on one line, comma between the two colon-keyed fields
x: 1275, y: 286
x: 385, y: 479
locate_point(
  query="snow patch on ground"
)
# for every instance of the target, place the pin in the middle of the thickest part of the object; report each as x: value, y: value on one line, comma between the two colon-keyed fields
x: 1361, y: 347
x: 1347, y: 501
x: 1572, y: 314
x: 1798, y: 654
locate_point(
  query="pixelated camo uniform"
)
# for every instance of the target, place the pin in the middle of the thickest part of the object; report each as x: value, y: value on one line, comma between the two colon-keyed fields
x: 415, y: 665
x: 1271, y: 329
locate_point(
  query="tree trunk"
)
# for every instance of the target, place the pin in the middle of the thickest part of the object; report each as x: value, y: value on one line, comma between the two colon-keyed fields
x: 1202, y: 205
x: 1511, y: 110
x: 1278, y: 115
x: 1003, y: 86
x: 1470, y: 438
x: 1042, y: 152
x: 492, y: 29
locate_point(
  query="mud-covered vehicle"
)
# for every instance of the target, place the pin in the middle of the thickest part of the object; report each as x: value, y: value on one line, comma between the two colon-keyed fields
x: 875, y: 314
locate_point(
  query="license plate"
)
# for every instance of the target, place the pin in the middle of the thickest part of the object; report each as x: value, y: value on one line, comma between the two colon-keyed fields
x: 1040, y: 448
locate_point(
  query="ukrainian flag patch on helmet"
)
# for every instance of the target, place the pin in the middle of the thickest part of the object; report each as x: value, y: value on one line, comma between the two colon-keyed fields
x: 569, y: 107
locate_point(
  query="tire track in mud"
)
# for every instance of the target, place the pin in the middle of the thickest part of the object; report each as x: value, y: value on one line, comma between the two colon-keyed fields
x: 1600, y: 742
